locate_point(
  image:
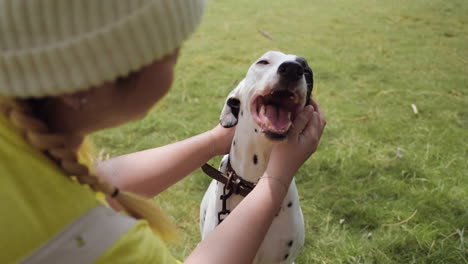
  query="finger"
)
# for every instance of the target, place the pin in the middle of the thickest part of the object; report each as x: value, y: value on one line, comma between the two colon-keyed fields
x: 321, y: 116
x: 319, y: 111
x: 313, y: 126
x: 301, y: 120
x: 314, y: 104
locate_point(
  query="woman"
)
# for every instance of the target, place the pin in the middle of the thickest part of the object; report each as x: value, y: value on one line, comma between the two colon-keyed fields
x: 68, y: 68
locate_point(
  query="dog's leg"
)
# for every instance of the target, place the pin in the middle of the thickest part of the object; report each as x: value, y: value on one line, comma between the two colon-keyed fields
x: 204, y: 208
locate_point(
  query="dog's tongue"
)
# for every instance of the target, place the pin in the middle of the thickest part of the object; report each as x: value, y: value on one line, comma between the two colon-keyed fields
x: 278, y: 117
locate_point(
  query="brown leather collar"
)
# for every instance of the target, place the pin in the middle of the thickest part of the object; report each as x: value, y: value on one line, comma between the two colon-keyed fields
x: 231, y: 180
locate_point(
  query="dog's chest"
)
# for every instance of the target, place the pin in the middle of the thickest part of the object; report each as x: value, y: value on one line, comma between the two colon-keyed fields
x: 285, y: 237
x: 249, y: 156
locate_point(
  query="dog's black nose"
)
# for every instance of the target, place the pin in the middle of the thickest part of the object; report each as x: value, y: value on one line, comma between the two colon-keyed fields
x: 291, y: 70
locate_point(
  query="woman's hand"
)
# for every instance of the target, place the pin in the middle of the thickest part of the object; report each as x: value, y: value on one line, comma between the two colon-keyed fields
x: 151, y: 171
x: 302, y: 141
x: 222, y: 138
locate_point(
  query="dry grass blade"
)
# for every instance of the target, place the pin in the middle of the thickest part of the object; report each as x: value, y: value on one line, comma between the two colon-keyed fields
x: 450, y: 235
x: 415, y: 109
x: 266, y: 34
x: 402, y: 222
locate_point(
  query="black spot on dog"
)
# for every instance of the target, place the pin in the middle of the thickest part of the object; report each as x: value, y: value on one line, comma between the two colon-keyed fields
x: 290, y: 243
x: 256, y: 130
x: 289, y: 204
x: 234, y: 143
x: 286, y: 256
x: 255, y: 159
x: 275, y: 136
x: 242, y: 113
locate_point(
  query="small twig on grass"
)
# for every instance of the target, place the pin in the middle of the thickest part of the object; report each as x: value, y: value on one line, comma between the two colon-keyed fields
x: 449, y: 236
x: 415, y: 109
x: 432, y: 245
x: 266, y: 34
x: 384, y: 92
x: 362, y: 118
x: 402, y: 222
x: 233, y: 83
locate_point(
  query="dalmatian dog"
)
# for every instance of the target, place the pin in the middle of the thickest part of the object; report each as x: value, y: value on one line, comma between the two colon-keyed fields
x: 263, y: 107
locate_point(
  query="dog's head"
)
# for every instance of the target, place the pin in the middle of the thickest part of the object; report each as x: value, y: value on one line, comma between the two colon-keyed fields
x: 275, y: 88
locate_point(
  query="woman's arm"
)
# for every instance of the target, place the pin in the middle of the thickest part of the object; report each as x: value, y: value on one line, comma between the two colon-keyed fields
x: 151, y: 171
x: 238, y: 237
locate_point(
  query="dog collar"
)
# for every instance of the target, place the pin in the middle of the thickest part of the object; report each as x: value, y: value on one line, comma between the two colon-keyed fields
x: 231, y: 180
x: 233, y: 184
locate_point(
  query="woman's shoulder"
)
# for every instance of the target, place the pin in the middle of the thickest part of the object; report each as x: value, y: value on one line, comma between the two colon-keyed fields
x: 138, y: 245
x: 39, y: 200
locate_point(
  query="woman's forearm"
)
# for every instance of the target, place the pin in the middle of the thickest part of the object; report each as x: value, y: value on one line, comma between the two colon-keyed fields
x: 151, y: 171
x: 238, y: 238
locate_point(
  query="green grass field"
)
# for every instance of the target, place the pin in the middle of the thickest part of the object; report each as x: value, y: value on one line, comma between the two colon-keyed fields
x: 386, y: 185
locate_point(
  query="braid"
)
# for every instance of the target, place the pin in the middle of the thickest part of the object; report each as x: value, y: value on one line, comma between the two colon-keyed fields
x: 55, y: 146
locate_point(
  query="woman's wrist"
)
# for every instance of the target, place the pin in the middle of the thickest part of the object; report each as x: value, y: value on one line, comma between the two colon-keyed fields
x: 284, y: 170
x: 212, y: 143
x: 220, y: 139
x: 215, y: 141
x: 277, y: 187
x: 274, y: 180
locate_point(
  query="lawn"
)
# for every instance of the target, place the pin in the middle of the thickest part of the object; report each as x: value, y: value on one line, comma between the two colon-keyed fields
x: 388, y: 184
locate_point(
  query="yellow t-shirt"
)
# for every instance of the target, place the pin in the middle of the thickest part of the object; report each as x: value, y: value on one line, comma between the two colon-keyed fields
x: 37, y: 201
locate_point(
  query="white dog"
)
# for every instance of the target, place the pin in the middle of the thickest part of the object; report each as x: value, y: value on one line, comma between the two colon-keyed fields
x: 262, y: 106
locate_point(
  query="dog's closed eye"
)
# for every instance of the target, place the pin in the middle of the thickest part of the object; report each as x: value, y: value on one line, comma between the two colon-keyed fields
x: 264, y: 62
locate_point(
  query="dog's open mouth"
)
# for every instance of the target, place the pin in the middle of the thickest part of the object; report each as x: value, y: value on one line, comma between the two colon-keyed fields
x: 274, y: 112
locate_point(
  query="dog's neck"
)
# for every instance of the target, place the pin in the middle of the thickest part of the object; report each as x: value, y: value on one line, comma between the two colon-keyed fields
x: 250, y: 149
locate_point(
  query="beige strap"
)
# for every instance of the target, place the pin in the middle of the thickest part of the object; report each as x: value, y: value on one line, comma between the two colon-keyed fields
x: 84, y: 240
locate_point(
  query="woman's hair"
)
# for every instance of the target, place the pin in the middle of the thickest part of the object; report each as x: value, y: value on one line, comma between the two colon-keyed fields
x: 22, y: 114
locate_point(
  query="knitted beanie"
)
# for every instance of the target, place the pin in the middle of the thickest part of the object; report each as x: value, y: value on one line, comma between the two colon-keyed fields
x: 51, y: 47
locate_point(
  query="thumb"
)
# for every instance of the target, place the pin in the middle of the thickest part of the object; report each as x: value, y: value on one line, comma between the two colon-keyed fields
x: 301, y: 120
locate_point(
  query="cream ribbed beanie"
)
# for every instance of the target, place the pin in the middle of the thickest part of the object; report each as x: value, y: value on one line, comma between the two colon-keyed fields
x: 50, y: 47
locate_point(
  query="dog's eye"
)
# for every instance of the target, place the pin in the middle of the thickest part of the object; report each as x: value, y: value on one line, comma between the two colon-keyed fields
x: 264, y: 62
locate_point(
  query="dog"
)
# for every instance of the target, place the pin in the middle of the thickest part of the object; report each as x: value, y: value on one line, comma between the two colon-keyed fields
x: 262, y: 107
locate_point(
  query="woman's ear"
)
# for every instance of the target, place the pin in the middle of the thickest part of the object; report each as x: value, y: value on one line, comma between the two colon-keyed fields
x: 230, y: 113
x: 71, y: 100
x: 77, y: 100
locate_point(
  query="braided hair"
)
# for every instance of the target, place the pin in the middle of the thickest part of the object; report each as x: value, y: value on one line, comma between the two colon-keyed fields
x: 56, y: 146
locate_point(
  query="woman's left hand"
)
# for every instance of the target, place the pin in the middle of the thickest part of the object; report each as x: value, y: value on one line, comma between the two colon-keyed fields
x: 222, y: 138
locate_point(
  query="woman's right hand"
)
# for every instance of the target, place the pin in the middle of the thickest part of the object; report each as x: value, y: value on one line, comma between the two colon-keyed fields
x: 221, y: 139
x: 303, y: 139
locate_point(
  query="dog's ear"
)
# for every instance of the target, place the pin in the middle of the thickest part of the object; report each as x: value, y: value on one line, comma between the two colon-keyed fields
x: 309, y: 77
x: 230, y: 113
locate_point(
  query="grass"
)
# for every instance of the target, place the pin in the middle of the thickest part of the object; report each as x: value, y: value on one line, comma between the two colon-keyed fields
x: 386, y: 185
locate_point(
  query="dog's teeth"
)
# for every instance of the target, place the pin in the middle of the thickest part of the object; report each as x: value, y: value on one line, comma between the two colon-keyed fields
x: 289, y: 115
x: 262, y: 110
